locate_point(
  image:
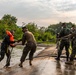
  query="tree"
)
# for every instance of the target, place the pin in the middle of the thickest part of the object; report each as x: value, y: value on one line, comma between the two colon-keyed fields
x: 32, y: 27
x: 9, y: 20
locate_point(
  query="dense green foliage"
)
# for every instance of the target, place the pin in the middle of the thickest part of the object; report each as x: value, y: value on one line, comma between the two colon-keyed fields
x: 8, y: 22
x: 41, y: 34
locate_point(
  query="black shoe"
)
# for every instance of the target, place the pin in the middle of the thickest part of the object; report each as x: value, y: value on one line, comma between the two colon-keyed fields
x: 69, y: 62
x: 8, y: 64
x: 30, y: 63
x: 58, y: 59
x: 20, y: 65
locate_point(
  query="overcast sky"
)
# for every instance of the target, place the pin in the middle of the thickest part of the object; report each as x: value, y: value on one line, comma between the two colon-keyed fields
x: 41, y: 12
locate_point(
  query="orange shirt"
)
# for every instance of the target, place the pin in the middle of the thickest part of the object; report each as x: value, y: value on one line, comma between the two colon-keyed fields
x: 10, y: 35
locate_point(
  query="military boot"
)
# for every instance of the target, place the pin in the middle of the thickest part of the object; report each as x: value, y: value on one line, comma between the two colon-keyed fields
x: 69, y: 62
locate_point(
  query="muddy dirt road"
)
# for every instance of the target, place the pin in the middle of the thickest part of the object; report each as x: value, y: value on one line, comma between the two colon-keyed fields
x: 42, y: 65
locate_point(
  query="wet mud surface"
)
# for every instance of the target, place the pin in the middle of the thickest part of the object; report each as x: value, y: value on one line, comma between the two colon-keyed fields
x: 45, y: 65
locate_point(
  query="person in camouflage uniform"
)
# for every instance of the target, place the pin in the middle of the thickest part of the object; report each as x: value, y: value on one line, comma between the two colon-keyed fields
x: 30, y: 47
x: 63, y: 42
x: 73, y: 44
x: 73, y: 30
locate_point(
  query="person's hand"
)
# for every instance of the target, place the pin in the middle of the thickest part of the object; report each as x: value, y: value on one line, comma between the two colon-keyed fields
x: 12, y: 45
x: 18, y: 41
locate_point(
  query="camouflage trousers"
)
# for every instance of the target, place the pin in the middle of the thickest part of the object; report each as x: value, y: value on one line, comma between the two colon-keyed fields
x: 29, y: 48
x: 73, y: 51
x: 62, y: 45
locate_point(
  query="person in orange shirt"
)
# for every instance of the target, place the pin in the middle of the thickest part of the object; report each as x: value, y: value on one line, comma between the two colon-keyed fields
x: 8, y: 41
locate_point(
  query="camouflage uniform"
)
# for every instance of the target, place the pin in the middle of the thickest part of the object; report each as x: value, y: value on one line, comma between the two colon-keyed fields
x: 73, y: 45
x: 73, y: 30
x: 63, y: 43
x: 73, y: 48
x: 30, y: 45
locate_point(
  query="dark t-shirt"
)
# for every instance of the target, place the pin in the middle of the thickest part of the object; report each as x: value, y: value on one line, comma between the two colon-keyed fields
x: 6, y: 41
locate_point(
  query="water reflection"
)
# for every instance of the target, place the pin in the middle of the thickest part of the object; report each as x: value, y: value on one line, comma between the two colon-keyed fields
x: 58, y: 68
x: 67, y: 70
x: 70, y: 70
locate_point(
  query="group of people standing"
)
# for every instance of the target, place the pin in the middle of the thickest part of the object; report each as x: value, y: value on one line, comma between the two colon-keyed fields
x: 67, y: 38
x: 30, y: 46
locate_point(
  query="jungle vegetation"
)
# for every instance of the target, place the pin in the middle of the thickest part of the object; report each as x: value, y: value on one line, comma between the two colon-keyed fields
x: 42, y: 34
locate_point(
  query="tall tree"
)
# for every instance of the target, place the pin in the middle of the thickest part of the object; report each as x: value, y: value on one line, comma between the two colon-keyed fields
x: 9, y: 20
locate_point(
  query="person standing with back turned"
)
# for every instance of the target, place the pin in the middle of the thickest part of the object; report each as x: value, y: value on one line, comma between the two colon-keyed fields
x: 29, y: 38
